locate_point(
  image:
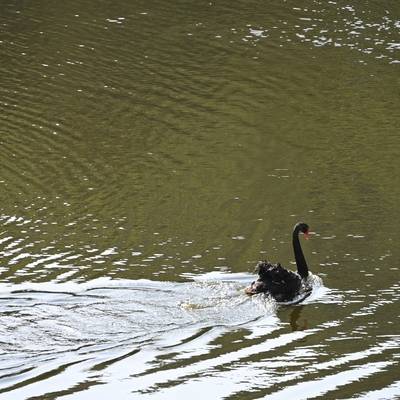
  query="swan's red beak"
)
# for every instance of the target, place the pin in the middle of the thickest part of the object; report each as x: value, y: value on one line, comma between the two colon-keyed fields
x: 307, y: 235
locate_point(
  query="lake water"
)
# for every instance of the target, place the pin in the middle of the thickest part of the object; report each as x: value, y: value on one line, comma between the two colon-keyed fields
x: 152, y: 153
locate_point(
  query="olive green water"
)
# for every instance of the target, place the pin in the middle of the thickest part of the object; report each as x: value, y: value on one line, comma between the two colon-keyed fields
x: 152, y: 152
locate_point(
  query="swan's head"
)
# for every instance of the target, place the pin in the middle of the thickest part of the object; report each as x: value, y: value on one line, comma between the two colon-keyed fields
x: 303, y: 228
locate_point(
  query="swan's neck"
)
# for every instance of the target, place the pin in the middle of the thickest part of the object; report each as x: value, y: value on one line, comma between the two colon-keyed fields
x: 302, y: 268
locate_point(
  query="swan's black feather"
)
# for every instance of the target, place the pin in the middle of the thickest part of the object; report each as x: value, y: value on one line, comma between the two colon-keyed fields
x: 280, y: 283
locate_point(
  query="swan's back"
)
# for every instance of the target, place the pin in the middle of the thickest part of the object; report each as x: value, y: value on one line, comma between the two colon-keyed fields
x: 283, y: 285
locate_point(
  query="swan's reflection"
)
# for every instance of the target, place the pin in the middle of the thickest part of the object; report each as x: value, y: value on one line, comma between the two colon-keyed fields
x: 294, y: 319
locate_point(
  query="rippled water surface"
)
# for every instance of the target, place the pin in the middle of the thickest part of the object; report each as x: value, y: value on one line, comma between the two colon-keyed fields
x: 152, y: 153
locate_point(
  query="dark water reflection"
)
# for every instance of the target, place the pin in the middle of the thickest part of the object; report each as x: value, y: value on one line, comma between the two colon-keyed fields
x: 165, y: 142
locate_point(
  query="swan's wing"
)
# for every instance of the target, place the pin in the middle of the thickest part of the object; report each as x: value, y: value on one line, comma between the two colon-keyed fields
x: 298, y: 299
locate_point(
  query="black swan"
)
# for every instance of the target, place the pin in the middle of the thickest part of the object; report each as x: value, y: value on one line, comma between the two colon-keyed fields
x: 284, y: 285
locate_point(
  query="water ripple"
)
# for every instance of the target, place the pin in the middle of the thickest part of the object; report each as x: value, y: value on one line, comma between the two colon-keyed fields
x: 60, y: 335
